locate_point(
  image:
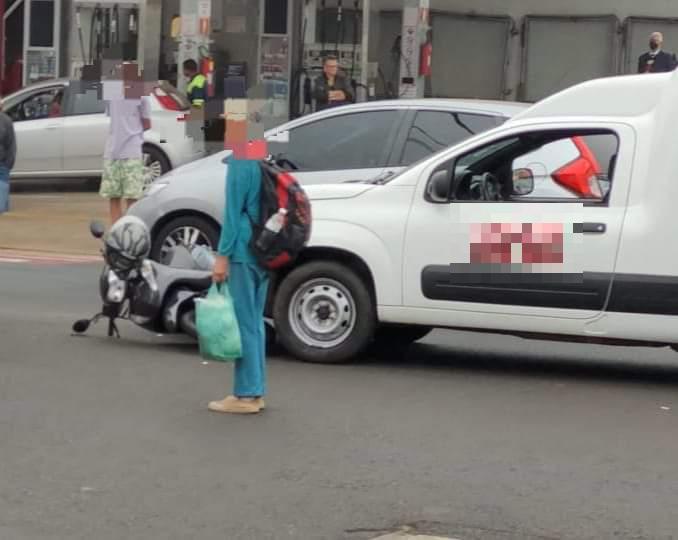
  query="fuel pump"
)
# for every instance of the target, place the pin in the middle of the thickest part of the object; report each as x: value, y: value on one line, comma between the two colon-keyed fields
x: 110, y: 25
x: 328, y: 21
x: 95, y: 36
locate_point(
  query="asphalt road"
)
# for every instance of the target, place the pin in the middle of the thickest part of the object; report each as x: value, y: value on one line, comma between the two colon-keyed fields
x: 475, y: 437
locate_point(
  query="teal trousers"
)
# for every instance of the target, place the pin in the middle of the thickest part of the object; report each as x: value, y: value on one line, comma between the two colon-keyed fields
x: 248, y: 285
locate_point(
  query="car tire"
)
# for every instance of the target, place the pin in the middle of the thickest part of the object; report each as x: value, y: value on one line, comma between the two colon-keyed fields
x: 324, y: 313
x: 273, y: 347
x: 208, y: 234
x: 155, y: 165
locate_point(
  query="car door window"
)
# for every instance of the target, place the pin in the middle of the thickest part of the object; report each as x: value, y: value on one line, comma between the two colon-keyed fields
x: 432, y: 131
x: 350, y: 141
x: 539, y: 166
x: 84, y: 98
x: 37, y: 106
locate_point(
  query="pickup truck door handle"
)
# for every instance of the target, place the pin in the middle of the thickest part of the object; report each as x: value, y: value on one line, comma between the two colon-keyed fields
x: 594, y: 228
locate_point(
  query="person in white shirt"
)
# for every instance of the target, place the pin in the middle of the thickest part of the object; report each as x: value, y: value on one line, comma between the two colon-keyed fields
x: 130, y: 114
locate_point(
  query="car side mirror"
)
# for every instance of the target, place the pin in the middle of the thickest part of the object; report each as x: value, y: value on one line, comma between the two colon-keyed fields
x: 523, y: 182
x: 97, y: 229
x: 439, y: 186
x: 281, y: 137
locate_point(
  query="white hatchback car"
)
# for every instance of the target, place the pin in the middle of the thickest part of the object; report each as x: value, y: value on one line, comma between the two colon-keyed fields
x: 68, y: 141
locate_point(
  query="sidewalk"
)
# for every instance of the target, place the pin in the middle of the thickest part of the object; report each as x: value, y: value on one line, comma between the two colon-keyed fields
x: 54, y: 223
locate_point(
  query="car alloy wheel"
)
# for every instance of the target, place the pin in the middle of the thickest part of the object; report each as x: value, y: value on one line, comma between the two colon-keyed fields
x: 322, y: 313
x: 152, y: 170
x: 186, y: 236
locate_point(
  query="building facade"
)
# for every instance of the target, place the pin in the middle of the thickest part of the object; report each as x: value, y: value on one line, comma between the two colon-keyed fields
x: 496, y: 49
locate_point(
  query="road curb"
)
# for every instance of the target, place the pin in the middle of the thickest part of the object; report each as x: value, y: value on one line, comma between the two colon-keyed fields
x: 43, y: 256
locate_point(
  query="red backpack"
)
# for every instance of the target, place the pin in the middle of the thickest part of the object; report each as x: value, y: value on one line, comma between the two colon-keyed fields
x: 280, y: 190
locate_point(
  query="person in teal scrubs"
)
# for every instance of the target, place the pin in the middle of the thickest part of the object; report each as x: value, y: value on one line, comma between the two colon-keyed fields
x: 248, y: 285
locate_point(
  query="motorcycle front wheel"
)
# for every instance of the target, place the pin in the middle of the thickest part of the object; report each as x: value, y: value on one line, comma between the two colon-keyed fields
x: 187, y: 324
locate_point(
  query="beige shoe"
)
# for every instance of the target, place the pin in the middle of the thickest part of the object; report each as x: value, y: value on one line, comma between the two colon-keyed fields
x: 235, y: 406
x: 259, y: 401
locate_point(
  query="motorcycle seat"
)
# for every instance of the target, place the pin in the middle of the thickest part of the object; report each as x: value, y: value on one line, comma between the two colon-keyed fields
x: 197, y: 280
x: 196, y: 283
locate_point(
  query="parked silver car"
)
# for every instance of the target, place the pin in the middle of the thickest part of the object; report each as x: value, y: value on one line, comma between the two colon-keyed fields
x: 61, y: 129
x: 351, y: 143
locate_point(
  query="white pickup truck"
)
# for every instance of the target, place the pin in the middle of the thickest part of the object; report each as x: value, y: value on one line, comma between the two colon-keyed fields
x: 455, y: 241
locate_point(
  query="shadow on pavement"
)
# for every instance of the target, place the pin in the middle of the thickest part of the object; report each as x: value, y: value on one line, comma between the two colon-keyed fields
x: 599, y: 367
x: 600, y: 364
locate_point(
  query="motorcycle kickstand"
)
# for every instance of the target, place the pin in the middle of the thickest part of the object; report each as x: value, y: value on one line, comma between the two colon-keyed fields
x: 113, y: 329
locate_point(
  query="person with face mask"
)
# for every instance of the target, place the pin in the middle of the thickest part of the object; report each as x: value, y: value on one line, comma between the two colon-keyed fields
x: 657, y: 60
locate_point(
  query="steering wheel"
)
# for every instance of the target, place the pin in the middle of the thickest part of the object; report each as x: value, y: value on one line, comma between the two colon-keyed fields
x: 472, y: 187
x: 484, y: 187
x: 491, y: 188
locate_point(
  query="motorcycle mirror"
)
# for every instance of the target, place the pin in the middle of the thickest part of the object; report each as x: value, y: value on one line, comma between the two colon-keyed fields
x: 97, y: 229
x: 81, y: 326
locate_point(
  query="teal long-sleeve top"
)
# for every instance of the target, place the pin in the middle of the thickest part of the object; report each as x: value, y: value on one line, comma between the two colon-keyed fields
x: 243, y: 188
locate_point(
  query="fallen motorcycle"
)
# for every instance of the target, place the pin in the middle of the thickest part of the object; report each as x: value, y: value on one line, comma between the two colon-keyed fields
x: 158, y: 298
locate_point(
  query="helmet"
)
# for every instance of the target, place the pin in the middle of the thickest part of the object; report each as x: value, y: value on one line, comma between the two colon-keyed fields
x: 127, y: 243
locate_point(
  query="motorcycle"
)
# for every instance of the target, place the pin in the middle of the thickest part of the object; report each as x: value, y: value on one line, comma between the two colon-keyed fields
x: 158, y: 298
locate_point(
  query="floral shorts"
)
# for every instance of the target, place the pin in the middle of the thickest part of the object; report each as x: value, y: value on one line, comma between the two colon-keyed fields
x: 122, y: 179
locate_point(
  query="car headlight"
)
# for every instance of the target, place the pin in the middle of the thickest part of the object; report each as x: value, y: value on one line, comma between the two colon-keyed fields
x: 117, y: 288
x: 149, y: 275
x: 155, y: 188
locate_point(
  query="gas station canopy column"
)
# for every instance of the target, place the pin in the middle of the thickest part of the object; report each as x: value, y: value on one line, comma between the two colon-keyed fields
x: 414, y: 42
x: 414, y: 38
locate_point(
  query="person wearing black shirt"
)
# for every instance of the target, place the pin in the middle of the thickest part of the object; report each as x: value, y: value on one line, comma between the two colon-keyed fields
x: 657, y: 60
x: 331, y: 88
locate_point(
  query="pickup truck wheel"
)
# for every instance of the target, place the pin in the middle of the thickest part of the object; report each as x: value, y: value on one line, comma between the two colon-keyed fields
x: 324, y: 313
x: 272, y: 346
